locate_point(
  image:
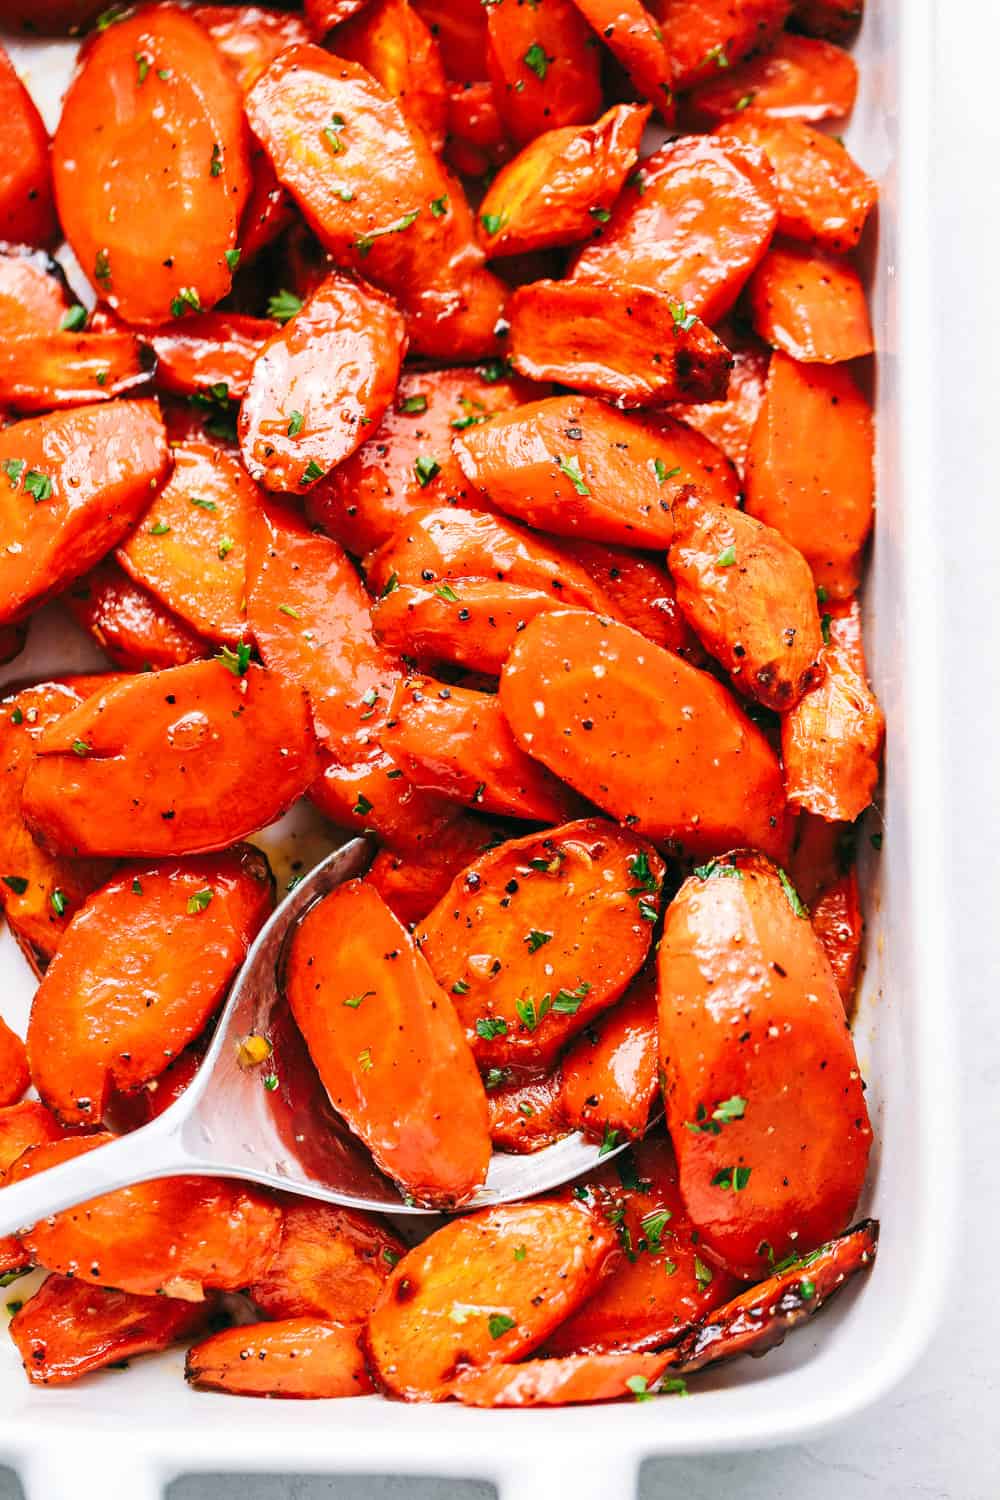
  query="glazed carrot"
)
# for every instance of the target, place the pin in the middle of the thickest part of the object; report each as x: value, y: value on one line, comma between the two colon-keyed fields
x: 526, y: 1117
x: 412, y: 881
x: 694, y: 221
x: 573, y: 1381
x: 632, y: 35
x: 797, y: 78
x: 468, y: 1297
x: 371, y: 795
x: 14, y: 1076
x: 477, y: 140
x: 609, y: 1073
x: 12, y: 639
x: 543, y: 71
x: 704, y: 36
x: 811, y: 305
x: 269, y: 210
x: 764, y: 1098
x: 173, y: 933
x: 838, y: 922
x: 821, y: 852
x: 388, y: 1046
x: 25, y: 1125
x: 190, y: 548
x: 68, y: 1329
x: 461, y: 35
x: 298, y: 1358
x: 823, y: 195
x: 641, y: 592
x: 729, y: 423
x: 831, y: 743
x: 127, y: 1111
x: 651, y: 740
x: 33, y: 293
x: 176, y: 762
x: 250, y: 37
x: 834, y: 19
x: 749, y: 596
x: 131, y: 626
x: 74, y: 483
x: 43, y: 372
x: 457, y: 742
x: 633, y: 346
x: 473, y: 625
x: 322, y: 15
x: 153, y: 227
x: 562, y: 185
x: 396, y: 46
x: 331, y: 1263
x: 536, y: 938
x: 319, y: 383
x: 809, y: 468
x: 215, y: 349
x: 27, y: 215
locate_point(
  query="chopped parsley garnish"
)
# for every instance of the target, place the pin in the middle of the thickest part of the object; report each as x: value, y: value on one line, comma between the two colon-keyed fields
x: 792, y: 894
x: 489, y: 1027
x: 807, y: 1289
x: 73, y: 319
x: 663, y: 473
x: 270, y: 1082
x: 536, y: 60
x: 716, y: 867
x: 439, y: 206
x: 609, y: 1142
x: 226, y: 545
x: 365, y: 1060
x: 362, y: 807
x: 102, y: 266
x: 141, y: 68
x: 391, y: 585
x: 201, y: 503
x: 571, y: 468
x: 493, y: 223
x: 602, y: 215
x: 215, y: 165
x: 520, y: 1251
x: 295, y: 423
x: 425, y: 468
x: 287, y: 609
x: 364, y: 243
x: 81, y: 748
x: 233, y: 258
x: 532, y: 1015
x: 354, y: 1001
x: 683, y: 320
x: 17, y: 717
x: 413, y: 406
x: 159, y: 528
x: 639, y: 1386
x: 568, y: 1002
x: 311, y: 473
x: 824, y: 625
x: 17, y: 884
x: 283, y: 305
x: 236, y: 661
x: 137, y: 886
x: 494, y: 370
x: 496, y: 1078
x: 653, y: 1225
x: 536, y: 939
x: 735, y: 1178
x: 745, y: 100
x: 726, y: 558
x: 445, y: 591
x: 187, y: 298
x: 199, y: 901
x: 499, y: 1324
x: 460, y: 987
x: 38, y: 485
x: 703, y: 1274
x: 13, y: 468
x: 716, y: 54
x: 639, y: 869
x: 331, y: 134
x: 648, y: 910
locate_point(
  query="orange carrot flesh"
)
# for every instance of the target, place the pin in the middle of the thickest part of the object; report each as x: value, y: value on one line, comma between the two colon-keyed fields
x: 296, y: 1358
x: 609, y: 1073
x: 331, y: 1264
x: 27, y: 215
x: 796, y: 78
x: 572, y: 1381
x: 811, y: 305
x: 134, y: 630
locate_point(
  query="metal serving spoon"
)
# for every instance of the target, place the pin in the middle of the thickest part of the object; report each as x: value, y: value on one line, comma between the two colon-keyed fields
x: 283, y: 1133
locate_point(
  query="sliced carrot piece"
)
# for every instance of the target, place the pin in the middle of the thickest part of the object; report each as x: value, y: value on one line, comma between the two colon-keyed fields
x: 177, y: 932
x: 838, y: 922
x: 130, y: 625
x: 46, y: 371
x: 642, y: 594
x: 269, y: 210
x: 633, y: 346
x: 298, y: 1358
x: 544, y: 72
x: 331, y: 1263
x: 68, y: 1329
x: 834, y: 19
x: 202, y: 353
x: 14, y: 1075
x: 824, y: 197
x: 319, y: 383
x: 693, y: 222
x: 632, y: 35
x: 412, y: 881
x: 526, y: 1117
x: 371, y: 795
x: 154, y: 227
x: 74, y: 483
x: 127, y: 1111
x: 27, y: 214
x: 750, y: 598
x: 729, y: 423
x: 574, y: 1381
x: 797, y: 78
x: 783, y: 1085
x: 250, y: 37
x: 388, y: 1046
x: 485, y: 1289
x: 473, y: 625
x: 457, y: 742
x: 821, y: 852
x: 323, y: 15
x: 809, y: 468
x: 33, y: 292
x: 710, y: 782
x: 461, y: 35
x: 537, y: 937
x: 562, y: 185
x: 609, y: 1073
x: 704, y: 36
x: 476, y: 140
x: 396, y: 46
x: 831, y: 742
x: 811, y: 305
x: 25, y: 1125
x: 193, y: 759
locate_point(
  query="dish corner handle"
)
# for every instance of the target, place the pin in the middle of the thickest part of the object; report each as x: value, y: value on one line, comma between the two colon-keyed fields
x: 587, y: 1477
x: 84, y: 1474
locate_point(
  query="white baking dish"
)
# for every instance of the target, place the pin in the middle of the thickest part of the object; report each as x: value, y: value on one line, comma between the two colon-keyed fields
x: 126, y: 1435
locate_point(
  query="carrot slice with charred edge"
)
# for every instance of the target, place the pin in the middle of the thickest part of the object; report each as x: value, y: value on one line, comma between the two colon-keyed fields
x: 69, y: 1329
x: 457, y: 742
x: 396, y: 46
x: 634, y: 347
x: 526, y: 1117
x: 543, y: 69
x: 573, y: 1381
x: 811, y: 305
x: 12, y: 641
x: 190, y: 549
x: 783, y: 1084
x: 476, y: 138
x: 14, y: 1076
x: 25, y: 1125
x: 703, y: 36
x: 834, y: 19
x: 729, y: 423
x: 809, y: 468
x: 372, y: 795
x: 27, y: 213
x: 130, y: 625
x: 323, y: 15
x: 113, y: 163
x: 823, y: 195
x: 175, y: 933
x: 250, y: 37
x: 832, y: 741
x: 758, y: 1319
x: 838, y: 922
x: 319, y: 383
x: 38, y: 891
x: 609, y: 1073
x: 388, y: 1046
x: 177, y: 762
x: 407, y: 463
x: 47, y: 371
x: 298, y: 1359
x: 90, y: 474
x: 412, y: 881
x: 642, y: 594
x: 562, y: 185
x: 178, y: 1237
x: 796, y: 79
x: 693, y: 222
x: 485, y: 1289
x: 683, y: 763
x: 331, y: 1263
x: 537, y: 937
x: 212, y: 350
x: 461, y: 35
x: 33, y: 293
x: 750, y: 598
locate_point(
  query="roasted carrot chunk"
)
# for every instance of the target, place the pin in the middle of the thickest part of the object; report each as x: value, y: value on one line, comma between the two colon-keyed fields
x: 641, y: 592
x: 25, y: 1125
x: 631, y: 34
x: 811, y: 305
x: 537, y: 937
x: 371, y: 795
x: 834, y: 19
x: 704, y: 36
x: 176, y: 762
x: 525, y: 1117
x: 809, y: 468
x: 269, y: 209
x: 331, y: 1263
x: 412, y: 881
x: 574, y: 1381
x: 47, y: 371
x: 27, y: 215
x: 131, y: 626
x: 544, y: 72
x: 14, y: 1077
x: 483, y: 1290
x: 171, y: 934
x: 298, y: 1358
x: 753, y: 1041
x: 729, y: 423
x: 151, y: 166
x: 461, y: 35
x: 73, y: 484
x: 69, y: 1329
x: 250, y: 37
x: 609, y: 1073
x: 33, y: 293
x: 562, y: 186
x: 477, y: 140
x: 650, y: 739
x: 838, y: 922
x: 797, y: 78
x: 396, y: 46
x: 202, y: 354
x: 693, y: 222
x: 127, y: 1111
x: 832, y: 741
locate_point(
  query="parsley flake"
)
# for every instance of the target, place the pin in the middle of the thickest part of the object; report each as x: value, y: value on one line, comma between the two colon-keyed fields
x: 726, y: 558
x: 73, y: 319
x: 38, y: 485
x: 283, y: 305
x: 413, y: 406
x: 425, y: 468
x: 536, y: 60
x: 571, y: 468
x: 354, y: 1001
x: 792, y: 894
x: 236, y: 661
x: 199, y: 901
x: 499, y: 1324
x: 489, y: 1027
x: 536, y: 939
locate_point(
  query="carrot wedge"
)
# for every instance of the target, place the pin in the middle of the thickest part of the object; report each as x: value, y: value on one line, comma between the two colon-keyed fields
x: 525, y: 1117
x: 544, y: 72
x: 796, y: 78
x: 202, y: 354
x: 46, y: 372
x: 133, y: 629
x: 412, y: 881
x: 838, y: 922
x: 331, y: 1263
x: 33, y: 292
x: 703, y: 36
x: 391, y: 40
x: 609, y: 1073
x: 25, y: 1125
x: 631, y: 34
x: 811, y: 305
x: 575, y: 1380
x: 297, y: 1358
x: 729, y: 423
x: 14, y: 1075
x: 27, y: 214
x: 250, y: 37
